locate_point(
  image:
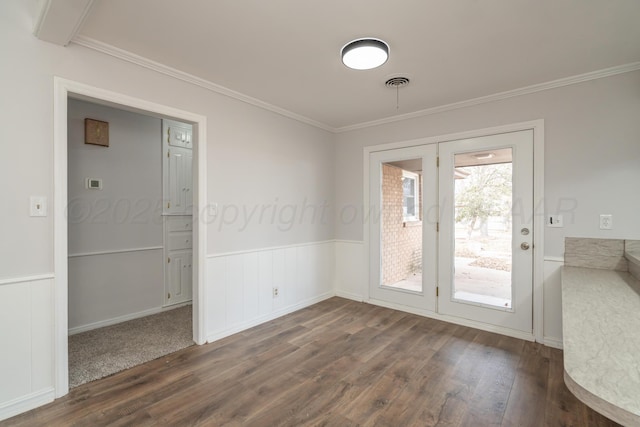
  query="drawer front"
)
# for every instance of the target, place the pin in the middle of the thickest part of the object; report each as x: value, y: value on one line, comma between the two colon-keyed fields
x: 179, y: 223
x: 180, y: 241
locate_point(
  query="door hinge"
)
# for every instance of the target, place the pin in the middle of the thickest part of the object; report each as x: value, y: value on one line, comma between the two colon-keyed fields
x: 169, y: 134
x: 437, y: 227
x: 168, y: 205
x: 437, y: 291
x: 168, y: 296
x: 437, y: 162
x: 168, y: 260
x: 168, y: 153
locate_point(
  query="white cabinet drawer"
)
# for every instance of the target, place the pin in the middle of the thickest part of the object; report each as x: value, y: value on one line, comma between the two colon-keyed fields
x: 180, y: 241
x: 179, y: 223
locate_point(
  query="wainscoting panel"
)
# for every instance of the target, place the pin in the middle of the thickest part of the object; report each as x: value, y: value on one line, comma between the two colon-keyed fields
x: 26, y: 361
x: 351, y: 269
x: 240, y: 286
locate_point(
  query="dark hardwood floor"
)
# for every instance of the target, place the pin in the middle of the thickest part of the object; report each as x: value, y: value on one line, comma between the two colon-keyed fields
x: 337, y: 363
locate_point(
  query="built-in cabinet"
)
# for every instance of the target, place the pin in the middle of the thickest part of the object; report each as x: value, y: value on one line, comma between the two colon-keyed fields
x: 177, y: 211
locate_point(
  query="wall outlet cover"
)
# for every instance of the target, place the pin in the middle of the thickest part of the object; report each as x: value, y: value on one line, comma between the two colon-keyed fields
x: 606, y: 222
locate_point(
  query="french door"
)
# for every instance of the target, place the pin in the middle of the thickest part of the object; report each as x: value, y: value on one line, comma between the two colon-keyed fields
x: 403, y: 226
x: 455, y: 227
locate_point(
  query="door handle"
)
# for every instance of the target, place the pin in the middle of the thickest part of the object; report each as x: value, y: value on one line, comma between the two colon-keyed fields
x: 524, y: 246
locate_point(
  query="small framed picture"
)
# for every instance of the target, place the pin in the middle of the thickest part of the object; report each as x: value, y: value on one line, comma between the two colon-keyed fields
x: 96, y: 132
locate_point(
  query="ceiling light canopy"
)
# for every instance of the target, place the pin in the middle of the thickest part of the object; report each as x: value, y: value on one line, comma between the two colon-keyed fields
x: 483, y: 156
x: 365, y: 54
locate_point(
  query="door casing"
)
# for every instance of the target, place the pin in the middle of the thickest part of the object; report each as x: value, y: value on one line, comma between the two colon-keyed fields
x: 537, y: 126
x: 63, y: 89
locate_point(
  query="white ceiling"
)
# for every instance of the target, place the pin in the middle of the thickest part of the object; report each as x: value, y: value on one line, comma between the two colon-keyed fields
x: 286, y: 52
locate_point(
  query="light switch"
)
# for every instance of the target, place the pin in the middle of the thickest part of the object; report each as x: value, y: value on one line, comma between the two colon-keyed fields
x: 38, y: 206
x: 213, y: 210
x: 555, y: 221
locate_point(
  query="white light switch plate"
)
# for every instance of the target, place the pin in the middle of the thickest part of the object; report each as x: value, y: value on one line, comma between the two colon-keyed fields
x: 38, y: 205
x: 213, y: 210
x: 555, y: 221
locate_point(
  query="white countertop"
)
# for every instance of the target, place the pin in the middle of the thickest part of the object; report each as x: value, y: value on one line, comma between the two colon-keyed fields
x: 601, y: 330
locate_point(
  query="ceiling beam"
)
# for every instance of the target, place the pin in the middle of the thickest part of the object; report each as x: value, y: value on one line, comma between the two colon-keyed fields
x: 59, y: 21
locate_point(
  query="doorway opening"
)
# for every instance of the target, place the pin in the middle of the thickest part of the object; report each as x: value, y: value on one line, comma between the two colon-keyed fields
x: 64, y: 90
x: 115, y: 218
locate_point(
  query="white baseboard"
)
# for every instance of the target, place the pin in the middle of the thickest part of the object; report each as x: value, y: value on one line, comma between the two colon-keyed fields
x: 349, y: 295
x: 456, y: 320
x: 26, y: 403
x: 126, y: 317
x: 553, y: 342
x: 271, y: 316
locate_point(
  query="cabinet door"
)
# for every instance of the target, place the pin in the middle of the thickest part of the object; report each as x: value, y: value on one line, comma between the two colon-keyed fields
x: 175, y: 180
x: 187, y: 180
x: 178, y: 134
x: 185, y: 280
x: 177, y: 167
x: 178, y: 181
x: 178, y: 285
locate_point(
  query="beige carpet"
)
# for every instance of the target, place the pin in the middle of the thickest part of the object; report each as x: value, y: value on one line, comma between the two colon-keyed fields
x: 101, y: 352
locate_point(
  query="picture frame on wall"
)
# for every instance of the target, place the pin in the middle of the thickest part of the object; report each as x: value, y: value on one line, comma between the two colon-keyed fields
x: 96, y: 132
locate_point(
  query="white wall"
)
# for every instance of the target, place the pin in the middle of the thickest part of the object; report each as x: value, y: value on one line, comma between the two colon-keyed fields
x: 242, y: 292
x: 255, y: 157
x: 592, y: 162
x: 26, y: 334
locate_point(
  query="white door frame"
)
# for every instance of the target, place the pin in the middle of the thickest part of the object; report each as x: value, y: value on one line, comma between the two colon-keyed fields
x: 538, y: 223
x: 63, y: 89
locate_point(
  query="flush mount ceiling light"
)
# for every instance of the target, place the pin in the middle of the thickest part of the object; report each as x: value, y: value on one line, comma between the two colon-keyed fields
x: 365, y: 54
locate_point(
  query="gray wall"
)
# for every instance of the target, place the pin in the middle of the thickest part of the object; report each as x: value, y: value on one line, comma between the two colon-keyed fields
x: 592, y: 164
x: 124, y: 216
x: 592, y: 153
x: 126, y: 213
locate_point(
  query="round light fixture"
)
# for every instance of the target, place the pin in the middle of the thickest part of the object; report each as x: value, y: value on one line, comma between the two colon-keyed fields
x: 365, y: 54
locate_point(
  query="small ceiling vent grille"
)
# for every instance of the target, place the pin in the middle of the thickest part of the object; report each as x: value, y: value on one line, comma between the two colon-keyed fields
x: 397, y: 82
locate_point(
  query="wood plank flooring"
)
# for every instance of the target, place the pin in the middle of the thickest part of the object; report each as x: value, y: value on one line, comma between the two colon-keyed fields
x: 337, y: 363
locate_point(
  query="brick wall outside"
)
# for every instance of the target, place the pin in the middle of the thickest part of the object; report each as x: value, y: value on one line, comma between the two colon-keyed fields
x: 401, y: 243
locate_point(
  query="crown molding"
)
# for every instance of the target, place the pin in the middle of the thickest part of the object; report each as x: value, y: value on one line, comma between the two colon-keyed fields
x: 580, y: 78
x: 58, y: 21
x: 124, y: 55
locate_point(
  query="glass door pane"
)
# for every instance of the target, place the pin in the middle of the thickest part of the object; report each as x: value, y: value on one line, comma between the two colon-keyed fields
x: 483, y: 193
x: 402, y: 222
x: 401, y: 236
x: 486, y: 212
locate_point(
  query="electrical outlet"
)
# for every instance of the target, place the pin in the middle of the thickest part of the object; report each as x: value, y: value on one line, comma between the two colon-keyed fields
x: 276, y: 292
x: 606, y: 222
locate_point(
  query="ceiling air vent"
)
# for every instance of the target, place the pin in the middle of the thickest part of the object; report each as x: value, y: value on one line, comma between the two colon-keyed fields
x: 397, y: 82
